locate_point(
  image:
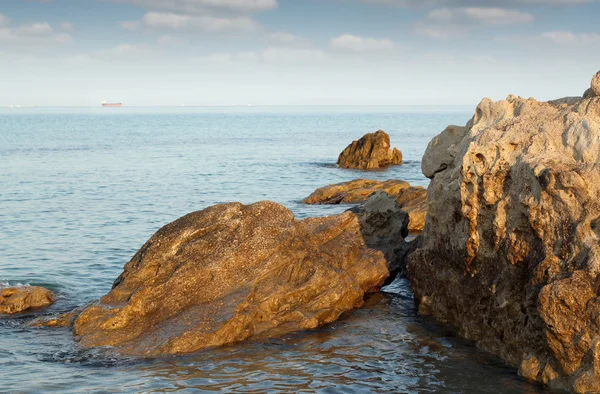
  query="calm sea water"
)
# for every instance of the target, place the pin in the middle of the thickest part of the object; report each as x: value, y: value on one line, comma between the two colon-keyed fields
x: 82, y: 189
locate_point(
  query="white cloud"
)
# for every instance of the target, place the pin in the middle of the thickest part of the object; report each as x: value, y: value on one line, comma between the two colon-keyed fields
x: 478, y: 16
x: 443, y: 23
x: 4, y: 20
x: 287, y: 38
x: 171, y: 40
x: 41, y: 33
x: 352, y: 43
x: 477, y: 3
x: 67, y: 26
x: 35, y: 29
x: 201, y: 6
x: 555, y: 39
x: 271, y: 55
x: 123, y: 52
x: 209, y: 23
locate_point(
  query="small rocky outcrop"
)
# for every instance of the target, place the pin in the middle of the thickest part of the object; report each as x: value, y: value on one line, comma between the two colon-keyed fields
x: 412, y: 200
x: 370, y: 152
x: 233, y: 272
x: 594, y: 90
x: 510, y: 253
x: 22, y: 298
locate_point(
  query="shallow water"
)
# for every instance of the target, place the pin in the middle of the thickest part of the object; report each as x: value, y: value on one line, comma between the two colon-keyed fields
x: 82, y: 189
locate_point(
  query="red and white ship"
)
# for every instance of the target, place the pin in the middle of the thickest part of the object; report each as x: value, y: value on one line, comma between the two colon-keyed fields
x: 105, y: 104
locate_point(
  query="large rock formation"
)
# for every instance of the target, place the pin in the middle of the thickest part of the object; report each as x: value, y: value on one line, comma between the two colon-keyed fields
x: 232, y: 272
x: 370, y: 152
x: 510, y: 254
x: 412, y: 200
x: 22, y: 298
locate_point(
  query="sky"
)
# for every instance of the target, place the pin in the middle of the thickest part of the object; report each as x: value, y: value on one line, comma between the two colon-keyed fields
x: 294, y: 52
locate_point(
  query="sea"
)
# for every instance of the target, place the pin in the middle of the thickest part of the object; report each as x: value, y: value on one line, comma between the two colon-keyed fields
x: 81, y: 189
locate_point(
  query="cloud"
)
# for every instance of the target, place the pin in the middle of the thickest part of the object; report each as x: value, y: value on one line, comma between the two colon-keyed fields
x: 478, y: 16
x: 352, y: 43
x: 272, y: 55
x: 41, y: 33
x: 172, y: 21
x: 555, y: 39
x: 122, y: 52
x: 67, y: 26
x: 287, y: 38
x: 477, y: 3
x: 4, y: 21
x: 201, y: 6
x: 168, y: 40
x: 445, y: 23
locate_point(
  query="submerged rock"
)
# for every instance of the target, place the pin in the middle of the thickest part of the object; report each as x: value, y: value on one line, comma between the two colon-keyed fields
x: 412, y: 200
x: 372, y: 151
x: 233, y: 272
x: 22, y: 298
x: 510, y: 254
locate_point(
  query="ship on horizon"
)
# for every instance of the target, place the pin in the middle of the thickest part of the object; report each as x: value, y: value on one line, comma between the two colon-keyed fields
x: 105, y: 104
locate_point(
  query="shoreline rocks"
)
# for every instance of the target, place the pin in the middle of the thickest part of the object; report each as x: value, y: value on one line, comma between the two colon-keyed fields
x: 233, y: 272
x: 372, y: 151
x: 19, y: 299
x: 412, y: 200
x: 510, y: 253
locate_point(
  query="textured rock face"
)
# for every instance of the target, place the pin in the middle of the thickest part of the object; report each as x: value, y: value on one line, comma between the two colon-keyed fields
x: 19, y: 299
x: 412, y: 200
x: 372, y: 151
x: 510, y: 254
x: 233, y: 272
x: 595, y: 86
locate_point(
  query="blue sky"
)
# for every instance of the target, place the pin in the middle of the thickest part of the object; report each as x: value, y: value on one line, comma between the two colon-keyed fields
x: 294, y: 52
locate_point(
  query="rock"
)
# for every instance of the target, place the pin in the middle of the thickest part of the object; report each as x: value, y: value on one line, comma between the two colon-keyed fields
x: 233, y: 272
x: 372, y: 151
x: 22, y: 298
x: 589, y: 93
x: 413, y: 200
x: 510, y: 253
x: 595, y: 85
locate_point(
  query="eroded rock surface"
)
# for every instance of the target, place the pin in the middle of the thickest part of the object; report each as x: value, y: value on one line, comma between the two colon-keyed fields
x: 413, y: 200
x: 22, y: 298
x: 370, y: 152
x: 233, y: 272
x: 510, y: 254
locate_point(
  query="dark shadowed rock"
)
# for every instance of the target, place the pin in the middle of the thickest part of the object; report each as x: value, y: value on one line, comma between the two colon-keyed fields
x: 233, y: 272
x: 510, y: 254
x: 412, y: 200
x: 19, y: 299
x: 372, y: 151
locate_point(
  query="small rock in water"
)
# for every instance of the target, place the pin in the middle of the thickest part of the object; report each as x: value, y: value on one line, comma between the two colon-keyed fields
x: 412, y: 200
x: 19, y: 299
x: 370, y: 152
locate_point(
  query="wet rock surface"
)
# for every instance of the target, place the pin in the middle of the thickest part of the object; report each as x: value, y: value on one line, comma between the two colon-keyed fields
x: 22, y: 298
x: 510, y: 253
x: 233, y: 272
x: 412, y: 200
x: 372, y: 151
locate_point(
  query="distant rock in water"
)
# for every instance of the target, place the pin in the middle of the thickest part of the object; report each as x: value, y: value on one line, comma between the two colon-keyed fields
x: 510, y: 254
x: 22, y: 298
x: 370, y: 152
x: 412, y: 200
x: 233, y: 272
